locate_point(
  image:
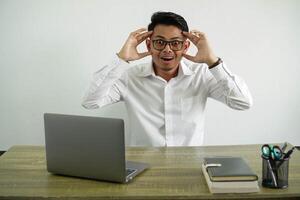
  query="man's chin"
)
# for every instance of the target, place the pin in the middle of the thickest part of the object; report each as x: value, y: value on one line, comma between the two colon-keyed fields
x: 166, y: 66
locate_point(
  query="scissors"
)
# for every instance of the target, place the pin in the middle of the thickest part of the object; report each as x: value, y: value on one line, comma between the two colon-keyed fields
x: 271, y: 152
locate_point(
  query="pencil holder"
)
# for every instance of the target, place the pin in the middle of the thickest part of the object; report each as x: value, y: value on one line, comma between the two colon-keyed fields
x: 275, y: 173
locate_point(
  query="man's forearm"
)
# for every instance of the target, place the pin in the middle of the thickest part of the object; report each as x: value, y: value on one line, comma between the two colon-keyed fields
x: 103, y: 89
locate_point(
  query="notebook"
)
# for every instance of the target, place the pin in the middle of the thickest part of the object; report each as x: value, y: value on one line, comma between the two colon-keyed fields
x: 229, y: 186
x: 88, y: 147
x: 230, y: 169
x: 229, y: 175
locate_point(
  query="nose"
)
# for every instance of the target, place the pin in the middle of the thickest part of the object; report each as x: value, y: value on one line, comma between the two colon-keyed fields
x: 167, y: 48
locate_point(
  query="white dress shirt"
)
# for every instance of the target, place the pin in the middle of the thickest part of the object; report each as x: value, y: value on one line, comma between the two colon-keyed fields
x: 165, y: 113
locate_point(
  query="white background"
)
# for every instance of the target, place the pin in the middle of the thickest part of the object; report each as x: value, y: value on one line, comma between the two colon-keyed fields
x: 50, y: 48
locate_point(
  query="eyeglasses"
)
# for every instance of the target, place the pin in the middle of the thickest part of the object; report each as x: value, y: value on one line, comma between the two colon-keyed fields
x: 175, y: 45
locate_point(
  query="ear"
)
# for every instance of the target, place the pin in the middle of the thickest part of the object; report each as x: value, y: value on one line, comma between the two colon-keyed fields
x: 148, y: 44
x: 186, y: 46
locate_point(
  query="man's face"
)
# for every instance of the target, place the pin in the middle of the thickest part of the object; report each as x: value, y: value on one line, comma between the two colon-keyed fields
x: 167, y: 56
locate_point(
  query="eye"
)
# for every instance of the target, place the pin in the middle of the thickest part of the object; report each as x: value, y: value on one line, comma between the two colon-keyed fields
x: 175, y: 43
x: 160, y: 42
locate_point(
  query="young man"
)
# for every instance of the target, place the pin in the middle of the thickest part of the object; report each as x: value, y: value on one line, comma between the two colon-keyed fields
x: 166, y: 98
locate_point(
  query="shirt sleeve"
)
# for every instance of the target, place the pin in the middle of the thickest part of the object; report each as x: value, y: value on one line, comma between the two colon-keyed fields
x: 108, y: 85
x: 228, y: 88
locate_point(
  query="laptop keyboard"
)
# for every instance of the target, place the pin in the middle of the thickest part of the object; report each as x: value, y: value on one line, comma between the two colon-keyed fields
x: 130, y: 171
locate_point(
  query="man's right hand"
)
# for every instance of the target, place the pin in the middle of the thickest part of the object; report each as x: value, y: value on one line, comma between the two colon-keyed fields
x: 129, y: 50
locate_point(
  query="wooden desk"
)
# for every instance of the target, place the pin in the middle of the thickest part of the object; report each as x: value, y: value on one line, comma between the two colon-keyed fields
x: 175, y: 174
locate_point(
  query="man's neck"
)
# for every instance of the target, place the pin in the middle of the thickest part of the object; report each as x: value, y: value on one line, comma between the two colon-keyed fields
x: 166, y: 74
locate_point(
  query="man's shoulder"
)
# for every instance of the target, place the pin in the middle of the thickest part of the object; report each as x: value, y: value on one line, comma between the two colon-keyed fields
x: 141, y: 69
x: 196, y: 68
x: 145, y: 69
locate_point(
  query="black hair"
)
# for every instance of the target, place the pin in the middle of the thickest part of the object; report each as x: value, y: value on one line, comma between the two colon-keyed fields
x: 168, y: 18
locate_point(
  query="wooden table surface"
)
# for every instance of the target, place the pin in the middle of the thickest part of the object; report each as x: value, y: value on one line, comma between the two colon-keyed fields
x: 175, y: 173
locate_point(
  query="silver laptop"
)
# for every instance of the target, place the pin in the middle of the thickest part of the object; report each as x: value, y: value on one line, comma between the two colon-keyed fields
x: 88, y: 147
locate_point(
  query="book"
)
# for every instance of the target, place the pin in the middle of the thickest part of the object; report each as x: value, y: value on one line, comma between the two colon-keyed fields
x: 231, y: 169
x: 234, y: 181
x: 230, y: 187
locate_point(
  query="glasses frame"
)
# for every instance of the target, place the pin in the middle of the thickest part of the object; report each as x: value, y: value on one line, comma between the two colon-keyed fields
x: 168, y: 43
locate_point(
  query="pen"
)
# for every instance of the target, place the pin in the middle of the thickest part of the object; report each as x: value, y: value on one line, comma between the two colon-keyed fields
x: 284, y: 147
x: 288, y: 154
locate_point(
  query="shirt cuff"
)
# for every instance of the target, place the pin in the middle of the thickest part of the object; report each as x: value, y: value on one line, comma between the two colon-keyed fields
x: 116, y: 61
x: 116, y: 67
x: 220, y: 72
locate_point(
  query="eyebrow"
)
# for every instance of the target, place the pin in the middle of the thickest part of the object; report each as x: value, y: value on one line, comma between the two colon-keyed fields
x: 173, y: 38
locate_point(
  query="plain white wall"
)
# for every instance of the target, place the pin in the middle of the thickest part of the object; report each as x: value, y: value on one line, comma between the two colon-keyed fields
x: 50, y: 48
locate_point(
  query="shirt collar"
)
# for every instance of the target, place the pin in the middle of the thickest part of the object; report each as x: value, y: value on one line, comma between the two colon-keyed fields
x: 184, y: 69
x: 147, y: 70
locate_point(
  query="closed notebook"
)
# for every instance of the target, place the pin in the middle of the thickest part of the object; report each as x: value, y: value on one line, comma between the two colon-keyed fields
x: 229, y: 186
x: 231, y: 169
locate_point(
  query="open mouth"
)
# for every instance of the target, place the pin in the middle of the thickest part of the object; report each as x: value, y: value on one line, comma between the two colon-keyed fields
x: 167, y: 58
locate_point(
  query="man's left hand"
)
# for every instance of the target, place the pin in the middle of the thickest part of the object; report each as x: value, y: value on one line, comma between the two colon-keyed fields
x: 205, y: 53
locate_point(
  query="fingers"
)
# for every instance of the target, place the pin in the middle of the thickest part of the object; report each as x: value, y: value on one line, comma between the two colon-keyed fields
x: 191, y: 37
x: 129, y: 50
x: 138, y: 31
x: 198, y: 33
x: 194, y: 36
x: 142, y: 36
